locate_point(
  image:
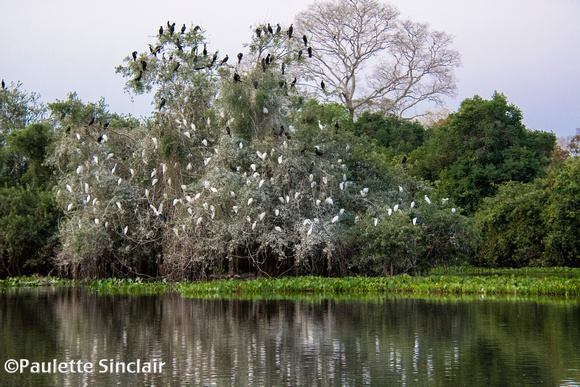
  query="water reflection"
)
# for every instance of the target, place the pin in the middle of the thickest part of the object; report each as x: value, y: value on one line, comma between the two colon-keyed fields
x: 309, y: 341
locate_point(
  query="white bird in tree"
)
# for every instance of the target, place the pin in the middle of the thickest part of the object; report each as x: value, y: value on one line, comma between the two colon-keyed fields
x: 250, y: 201
x: 262, y: 215
x: 335, y: 219
x: 278, y: 229
x: 414, y: 221
x: 427, y: 199
x: 68, y: 188
x: 119, y: 206
x: 125, y: 229
x: 376, y: 222
x: 204, y: 142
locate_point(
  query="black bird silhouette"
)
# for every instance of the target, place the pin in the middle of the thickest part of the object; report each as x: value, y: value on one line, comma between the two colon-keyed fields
x: 259, y: 32
x: 283, y: 67
x: 256, y: 85
x: 310, y: 52
x: 224, y: 60
x: 281, y: 130
x: 171, y: 29
x: 92, y: 121
x: 135, y: 54
x: 213, y: 59
x: 160, y: 30
x: 183, y: 29
x: 237, y: 77
x: 299, y: 54
x: 404, y: 160
x: 100, y: 139
x: 288, y: 136
x: 162, y: 103
x: 270, y: 30
x: 229, y: 131
x: 293, y: 83
x: 318, y: 151
x: 310, y: 168
x: 336, y: 126
x: 67, y: 130
x: 268, y: 59
x: 178, y: 45
x: 290, y: 30
x: 3, y: 84
x: 263, y: 65
x: 195, y: 29
x: 278, y: 28
x: 144, y: 65
x: 106, y: 125
x: 240, y: 56
x: 322, y: 84
x: 305, y: 39
x: 204, y: 50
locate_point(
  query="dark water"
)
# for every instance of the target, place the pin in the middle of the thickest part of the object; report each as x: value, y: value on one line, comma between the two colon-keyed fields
x: 378, y: 341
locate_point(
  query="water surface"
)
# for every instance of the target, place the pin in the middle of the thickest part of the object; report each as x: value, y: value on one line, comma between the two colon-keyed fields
x: 305, y: 341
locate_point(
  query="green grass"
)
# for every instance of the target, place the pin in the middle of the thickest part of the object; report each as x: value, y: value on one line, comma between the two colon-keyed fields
x: 33, y: 281
x: 454, y: 281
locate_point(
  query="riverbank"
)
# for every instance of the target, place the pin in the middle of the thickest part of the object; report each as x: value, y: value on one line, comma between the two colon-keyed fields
x: 456, y: 281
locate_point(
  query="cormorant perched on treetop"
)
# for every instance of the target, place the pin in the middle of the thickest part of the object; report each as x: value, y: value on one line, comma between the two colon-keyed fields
x: 270, y: 30
x: 195, y: 29
x: 183, y: 29
x: 162, y: 103
x: 290, y: 30
x: 310, y: 52
x: 240, y: 56
x: 92, y: 121
x: 322, y: 84
x: 160, y: 30
x: 237, y: 77
x: 204, y: 50
x: 134, y: 55
x: 305, y: 39
x: 259, y: 32
x: 278, y: 28
x: 228, y: 130
x: 293, y: 82
x: 224, y: 60
x: 3, y: 84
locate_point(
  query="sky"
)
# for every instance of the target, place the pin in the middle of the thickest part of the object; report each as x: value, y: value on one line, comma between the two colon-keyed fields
x: 527, y: 49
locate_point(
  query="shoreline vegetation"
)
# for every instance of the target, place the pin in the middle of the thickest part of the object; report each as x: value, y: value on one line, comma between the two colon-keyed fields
x: 556, y: 281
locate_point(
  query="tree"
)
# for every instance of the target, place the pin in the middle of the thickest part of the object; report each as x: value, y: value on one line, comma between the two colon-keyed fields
x: 411, y: 64
x: 481, y: 146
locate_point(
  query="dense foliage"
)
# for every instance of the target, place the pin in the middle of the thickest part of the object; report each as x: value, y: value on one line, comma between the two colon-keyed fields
x: 237, y: 172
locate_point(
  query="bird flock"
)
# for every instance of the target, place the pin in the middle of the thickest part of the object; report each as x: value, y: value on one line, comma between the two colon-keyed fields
x: 278, y: 184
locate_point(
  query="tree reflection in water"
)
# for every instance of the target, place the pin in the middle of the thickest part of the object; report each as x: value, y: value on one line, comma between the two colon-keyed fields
x: 307, y: 341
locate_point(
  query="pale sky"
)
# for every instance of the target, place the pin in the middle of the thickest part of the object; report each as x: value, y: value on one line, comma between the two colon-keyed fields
x: 527, y: 49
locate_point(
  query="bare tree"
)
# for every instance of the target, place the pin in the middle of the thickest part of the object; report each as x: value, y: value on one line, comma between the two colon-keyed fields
x: 410, y: 63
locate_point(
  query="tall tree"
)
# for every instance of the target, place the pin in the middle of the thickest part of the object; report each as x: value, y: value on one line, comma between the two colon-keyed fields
x: 411, y: 64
